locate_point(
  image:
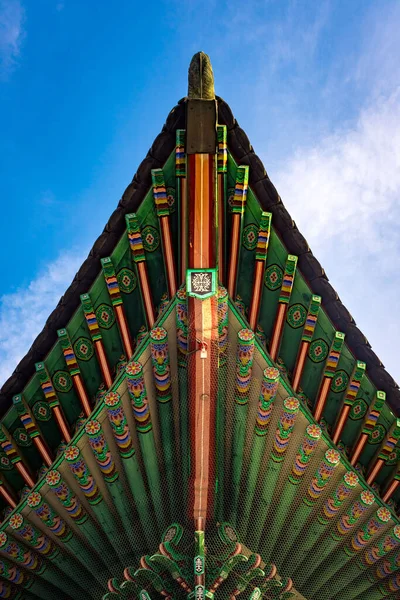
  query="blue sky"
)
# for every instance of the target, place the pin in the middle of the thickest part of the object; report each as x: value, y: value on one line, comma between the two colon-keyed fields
x: 86, y: 86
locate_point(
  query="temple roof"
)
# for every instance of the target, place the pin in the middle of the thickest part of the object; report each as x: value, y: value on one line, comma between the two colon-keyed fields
x: 200, y: 416
x: 269, y: 198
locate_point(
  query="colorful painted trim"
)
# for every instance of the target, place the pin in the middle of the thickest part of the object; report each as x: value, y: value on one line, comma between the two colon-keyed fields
x: 322, y: 476
x: 111, y: 281
x: 47, y: 386
x: 390, y: 442
x: 240, y: 194
x: 264, y: 232
x: 306, y: 450
x: 69, y: 356
x: 368, y: 531
x: 29, y: 533
x: 269, y: 389
x: 28, y: 559
x: 342, y: 492
x: 46, y: 514
x: 82, y: 474
x: 285, y: 427
x: 135, y: 238
x: 244, y: 363
x: 355, y: 382
x: 160, y: 361
x: 101, y: 450
x: 375, y: 411
x: 311, y: 320
x: 222, y: 152
x: 288, y: 279
x: 180, y: 156
x: 119, y: 424
x: 160, y: 193
x: 138, y: 396
x: 334, y: 354
x: 223, y: 325
x: 67, y: 498
x: 91, y: 318
x: 25, y: 416
x: 181, y: 326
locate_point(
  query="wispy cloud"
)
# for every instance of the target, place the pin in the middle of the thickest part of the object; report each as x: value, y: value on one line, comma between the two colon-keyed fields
x: 24, y: 312
x: 344, y: 194
x: 12, y: 33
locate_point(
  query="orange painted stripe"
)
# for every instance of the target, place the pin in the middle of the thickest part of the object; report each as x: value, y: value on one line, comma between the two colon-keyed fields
x: 221, y: 229
x: 320, y: 404
x: 278, y: 330
x: 202, y: 211
x: 256, y: 294
x: 359, y: 448
x: 299, y: 368
x: 105, y: 369
x: 374, y: 473
x: 25, y: 475
x: 233, y: 261
x: 146, y: 293
x: 341, y: 423
x: 202, y: 402
x: 168, y: 255
x: 123, y: 328
x: 184, y: 228
x: 43, y: 451
x: 83, y: 397
x: 62, y: 424
x: 391, y: 490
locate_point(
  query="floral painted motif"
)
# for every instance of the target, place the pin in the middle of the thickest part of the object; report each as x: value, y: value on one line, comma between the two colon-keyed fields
x: 318, y: 350
x: 250, y: 236
x: 273, y: 277
x: 83, y: 348
x: 127, y: 280
x: 105, y: 316
x: 340, y: 381
x: 296, y: 316
x: 62, y: 381
x: 151, y: 238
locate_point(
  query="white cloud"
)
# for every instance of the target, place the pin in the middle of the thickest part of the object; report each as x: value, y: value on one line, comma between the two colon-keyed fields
x: 24, y: 313
x: 343, y: 193
x: 12, y: 33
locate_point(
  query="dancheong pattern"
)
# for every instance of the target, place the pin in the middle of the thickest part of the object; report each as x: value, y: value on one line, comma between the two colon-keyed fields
x: 105, y: 316
x: 83, y: 348
x: 5, y: 462
x: 250, y: 236
x: 151, y: 238
x: 318, y: 350
x: 339, y: 381
x: 127, y: 280
x: 41, y: 411
x: 377, y: 435
x: 273, y: 277
x: 22, y: 437
x: 296, y: 316
x: 358, y: 410
x: 171, y: 199
x: 62, y: 381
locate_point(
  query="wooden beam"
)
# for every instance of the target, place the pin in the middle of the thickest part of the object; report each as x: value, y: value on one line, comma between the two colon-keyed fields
x: 139, y: 259
x: 53, y: 401
x: 238, y: 207
x: 306, y: 339
x: 330, y: 367
x: 284, y: 298
x: 74, y: 371
x: 350, y: 396
x: 259, y: 268
x: 368, y: 426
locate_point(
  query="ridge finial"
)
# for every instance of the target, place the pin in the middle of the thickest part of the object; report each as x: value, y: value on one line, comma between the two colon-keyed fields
x: 201, y: 78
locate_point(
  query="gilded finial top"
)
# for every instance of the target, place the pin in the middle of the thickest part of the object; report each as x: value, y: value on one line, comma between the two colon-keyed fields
x: 201, y: 78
